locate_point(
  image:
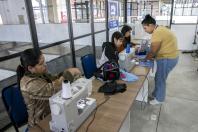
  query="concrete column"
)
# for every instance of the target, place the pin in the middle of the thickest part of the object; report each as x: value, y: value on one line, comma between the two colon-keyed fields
x: 52, y: 11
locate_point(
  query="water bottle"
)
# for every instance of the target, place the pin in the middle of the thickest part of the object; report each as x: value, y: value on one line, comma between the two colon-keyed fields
x: 128, y: 48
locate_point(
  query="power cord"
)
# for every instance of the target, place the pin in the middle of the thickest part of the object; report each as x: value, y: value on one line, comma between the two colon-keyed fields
x: 158, y: 118
x: 107, y: 98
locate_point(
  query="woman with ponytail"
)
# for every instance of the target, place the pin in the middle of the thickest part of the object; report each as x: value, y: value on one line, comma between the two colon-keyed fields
x: 164, y: 50
x: 37, y: 85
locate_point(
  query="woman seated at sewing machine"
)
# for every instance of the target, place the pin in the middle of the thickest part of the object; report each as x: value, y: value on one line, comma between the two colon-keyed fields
x: 37, y: 85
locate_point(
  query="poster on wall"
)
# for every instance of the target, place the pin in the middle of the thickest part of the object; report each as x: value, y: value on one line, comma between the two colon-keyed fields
x: 113, y: 14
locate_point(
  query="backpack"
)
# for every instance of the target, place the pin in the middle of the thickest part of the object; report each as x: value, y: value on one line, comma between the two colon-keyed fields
x: 109, y: 71
x: 110, y: 88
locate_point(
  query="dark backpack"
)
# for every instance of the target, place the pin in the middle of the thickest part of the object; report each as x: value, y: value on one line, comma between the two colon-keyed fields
x: 109, y: 71
x: 110, y: 88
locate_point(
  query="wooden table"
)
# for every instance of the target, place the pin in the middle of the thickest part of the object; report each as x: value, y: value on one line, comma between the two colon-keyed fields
x: 111, y: 116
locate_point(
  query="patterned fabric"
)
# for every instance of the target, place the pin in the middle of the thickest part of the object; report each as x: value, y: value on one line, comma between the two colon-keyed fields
x: 36, y: 91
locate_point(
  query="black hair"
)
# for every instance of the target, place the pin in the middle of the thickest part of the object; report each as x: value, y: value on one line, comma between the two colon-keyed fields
x: 149, y: 20
x: 29, y: 57
x: 125, y: 29
x: 117, y: 35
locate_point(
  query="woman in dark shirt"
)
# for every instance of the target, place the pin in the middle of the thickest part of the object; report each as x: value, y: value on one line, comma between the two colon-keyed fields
x: 110, y: 49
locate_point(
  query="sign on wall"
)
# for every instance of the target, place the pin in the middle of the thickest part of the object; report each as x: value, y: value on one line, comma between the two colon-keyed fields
x: 113, y: 14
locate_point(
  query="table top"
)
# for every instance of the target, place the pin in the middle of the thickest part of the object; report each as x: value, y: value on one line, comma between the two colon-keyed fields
x: 110, y: 115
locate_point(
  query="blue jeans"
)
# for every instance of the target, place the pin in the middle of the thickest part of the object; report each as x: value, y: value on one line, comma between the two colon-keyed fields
x: 164, y: 66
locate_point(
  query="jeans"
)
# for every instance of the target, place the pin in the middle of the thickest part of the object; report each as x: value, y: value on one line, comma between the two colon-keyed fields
x: 164, y: 66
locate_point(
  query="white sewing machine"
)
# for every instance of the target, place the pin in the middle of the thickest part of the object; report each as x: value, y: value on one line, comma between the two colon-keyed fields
x: 125, y: 59
x: 67, y: 115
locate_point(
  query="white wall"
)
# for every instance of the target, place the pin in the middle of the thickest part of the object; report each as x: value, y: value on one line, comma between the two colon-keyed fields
x: 185, y: 36
x: 10, y: 9
x: 15, y: 33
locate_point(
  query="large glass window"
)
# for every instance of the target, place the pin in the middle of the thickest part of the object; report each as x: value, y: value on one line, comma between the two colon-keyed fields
x: 185, y: 11
x: 14, y: 37
x: 58, y: 56
x: 14, y: 29
x: 121, y: 12
x: 99, y: 15
x: 100, y: 38
x: 136, y: 10
x: 83, y: 46
x: 52, y: 27
x: 80, y: 11
x: 51, y: 21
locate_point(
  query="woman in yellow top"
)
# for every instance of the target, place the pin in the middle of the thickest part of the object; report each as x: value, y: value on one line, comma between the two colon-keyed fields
x: 37, y: 85
x: 164, y: 50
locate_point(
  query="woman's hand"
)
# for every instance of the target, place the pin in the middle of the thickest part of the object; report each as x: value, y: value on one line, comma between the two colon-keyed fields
x: 61, y: 79
x: 74, y: 71
x: 71, y: 74
x: 58, y: 82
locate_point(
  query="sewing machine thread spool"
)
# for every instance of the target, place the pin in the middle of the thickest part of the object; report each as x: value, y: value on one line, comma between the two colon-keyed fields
x: 66, y: 90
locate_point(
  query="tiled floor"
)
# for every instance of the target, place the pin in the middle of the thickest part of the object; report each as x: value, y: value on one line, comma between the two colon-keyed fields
x: 179, y: 112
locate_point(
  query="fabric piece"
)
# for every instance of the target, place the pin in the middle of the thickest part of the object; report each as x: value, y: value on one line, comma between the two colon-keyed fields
x: 140, y: 56
x: 147, y: 63
x: 103, y: 59
x: 128, y: 77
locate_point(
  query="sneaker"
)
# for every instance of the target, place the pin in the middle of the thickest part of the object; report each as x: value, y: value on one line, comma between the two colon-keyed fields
x: 155, y: 102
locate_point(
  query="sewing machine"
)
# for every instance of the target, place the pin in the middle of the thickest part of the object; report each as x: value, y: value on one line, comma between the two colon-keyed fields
x: 125, y: 59
x: 68, y: 114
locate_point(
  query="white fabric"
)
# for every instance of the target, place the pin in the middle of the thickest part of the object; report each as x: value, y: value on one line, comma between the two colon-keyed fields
x: 103, y: 59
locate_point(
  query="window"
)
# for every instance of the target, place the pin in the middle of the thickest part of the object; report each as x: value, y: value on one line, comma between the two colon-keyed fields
x: 80, y: 17
x: 99, y: 15
x: 14, y: 29
x: 51, y: 21
x: 185, y: 11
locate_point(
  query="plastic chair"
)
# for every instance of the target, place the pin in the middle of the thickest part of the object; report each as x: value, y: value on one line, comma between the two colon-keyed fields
x: 15, y: 106
x: 89, y: 65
